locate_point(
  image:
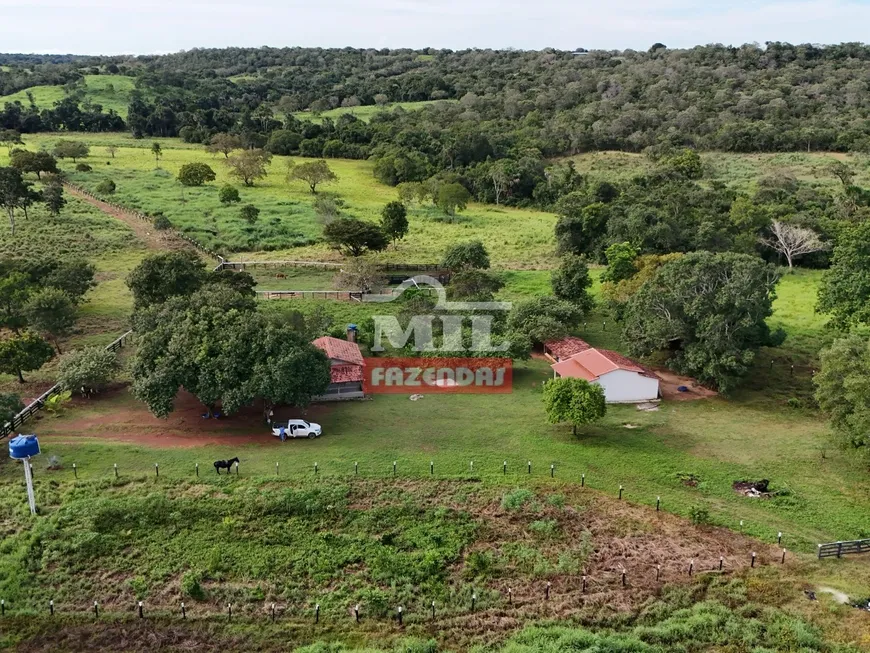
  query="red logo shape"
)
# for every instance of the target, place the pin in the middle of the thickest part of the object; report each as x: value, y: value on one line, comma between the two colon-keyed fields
x: 414, y: 375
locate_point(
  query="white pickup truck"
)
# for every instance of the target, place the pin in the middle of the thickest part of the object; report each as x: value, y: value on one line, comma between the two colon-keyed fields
x: 297, y: 428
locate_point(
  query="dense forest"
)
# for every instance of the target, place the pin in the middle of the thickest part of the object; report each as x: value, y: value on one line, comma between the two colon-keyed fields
x: 779, y: 97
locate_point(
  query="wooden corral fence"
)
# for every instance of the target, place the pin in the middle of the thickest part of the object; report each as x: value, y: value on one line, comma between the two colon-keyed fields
x: 145, y: 218
x: 244, y: 265
x: 839, y: 549
x: 341, y: 295
x: 39, y: 403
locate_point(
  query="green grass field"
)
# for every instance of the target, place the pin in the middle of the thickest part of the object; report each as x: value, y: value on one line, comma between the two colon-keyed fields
x: 365, y: 113
x: 739, y: 170
x: 110, y: 91
x: 518, y: 238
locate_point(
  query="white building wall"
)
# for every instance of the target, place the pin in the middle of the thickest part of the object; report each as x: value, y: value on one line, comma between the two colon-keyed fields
x: 622, y: 386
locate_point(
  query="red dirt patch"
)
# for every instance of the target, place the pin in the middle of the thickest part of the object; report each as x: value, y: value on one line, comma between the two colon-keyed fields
x: 670, y: 382
x: 184, y: 427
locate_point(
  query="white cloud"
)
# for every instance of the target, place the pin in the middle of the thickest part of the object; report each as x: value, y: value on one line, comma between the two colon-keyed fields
x: 148, y: 26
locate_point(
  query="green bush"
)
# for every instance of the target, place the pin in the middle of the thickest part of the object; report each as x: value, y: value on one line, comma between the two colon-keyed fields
x: 544, y: 528
x: 106, y: 187
x: 699, y: 515
x: 161, y: 223
x: 190, y: 586
x: 517, y: 499
x: 83, y: 167
x: 229, y: 195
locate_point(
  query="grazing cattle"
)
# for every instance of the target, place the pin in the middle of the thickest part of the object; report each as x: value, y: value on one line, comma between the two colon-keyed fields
x: 280, y: 276
x: 225, y: 464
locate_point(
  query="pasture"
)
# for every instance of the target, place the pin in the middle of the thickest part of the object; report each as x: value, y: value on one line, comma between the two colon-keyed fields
x: 288, y: 226
x: 365, y: 113
x: 738, y: 170
x: 110, y: 91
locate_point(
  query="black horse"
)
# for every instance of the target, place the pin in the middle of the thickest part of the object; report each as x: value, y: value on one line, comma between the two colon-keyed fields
x: 225, y: 464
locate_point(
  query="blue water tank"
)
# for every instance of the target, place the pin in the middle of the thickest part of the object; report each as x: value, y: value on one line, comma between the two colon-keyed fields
x: 23, y: 446
x: 352, y: 327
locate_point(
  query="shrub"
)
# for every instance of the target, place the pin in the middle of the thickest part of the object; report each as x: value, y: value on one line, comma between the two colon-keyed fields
x: 190, y: 586
x: 699, y: 515
x: 517, y: 499
x: 544, y: 528
x: 83, y: 167
x: 249, y: 213
x: 229, y: 195
x: 556, y: 500
x: 106, y: 187
x: 161, y: 222
x: 479, y: 564
x: 91, y: 368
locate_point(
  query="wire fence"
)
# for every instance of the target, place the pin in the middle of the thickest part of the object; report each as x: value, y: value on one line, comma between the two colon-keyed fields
x: 150, y: 220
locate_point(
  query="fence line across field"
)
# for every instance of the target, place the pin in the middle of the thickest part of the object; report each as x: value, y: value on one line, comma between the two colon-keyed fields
x: 148, y: 219
x: 39, y: 403
x: 518, y: 469
x: 498, y: 600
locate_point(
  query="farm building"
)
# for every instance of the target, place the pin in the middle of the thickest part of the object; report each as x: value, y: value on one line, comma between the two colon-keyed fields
x: 623, y: 380
x: 346, y: 372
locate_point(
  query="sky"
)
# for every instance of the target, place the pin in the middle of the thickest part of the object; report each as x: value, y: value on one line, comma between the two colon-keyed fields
x: 160, y: 26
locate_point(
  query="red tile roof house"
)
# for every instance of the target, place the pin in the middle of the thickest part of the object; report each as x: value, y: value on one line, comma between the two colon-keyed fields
x: 347, y: 369
x: 623, y: 380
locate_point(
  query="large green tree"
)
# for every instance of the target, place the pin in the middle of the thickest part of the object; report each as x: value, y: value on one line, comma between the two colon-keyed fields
x: 36, y: 162
x: 67, y: 149
x: 571, y: 282
x: 471, y: 255
x: 543, y: 318
x: 10, y: 406
x: 574, y: 401
x: 394, y: 221
x: 845, y: 290
x: 51, y: 312
x: 355, y: 237
x: 195, y: 174
x: 13, y: 192
x: 23, y: 352
x: 215, y: 345
x: 710, y: 311
x: 313, y: 173
x: 843, y: 390
x: 15, y: 289
x: 451, y: 198
x: 166, y: 274
x: 249, y: 165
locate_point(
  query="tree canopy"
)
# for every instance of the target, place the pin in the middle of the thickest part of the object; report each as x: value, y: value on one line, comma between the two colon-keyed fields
x: 574, y: 401
x: 313, y: 173
x: 845, y: 290
x: 195, y: 174
x: 216, y: 346
x: 710, y: 311
x: 471, y: 255
x: 843, y: 390
x: 355, y: 237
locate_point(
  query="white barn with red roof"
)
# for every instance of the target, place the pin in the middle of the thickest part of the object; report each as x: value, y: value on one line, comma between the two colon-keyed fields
x: 623, y: 380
